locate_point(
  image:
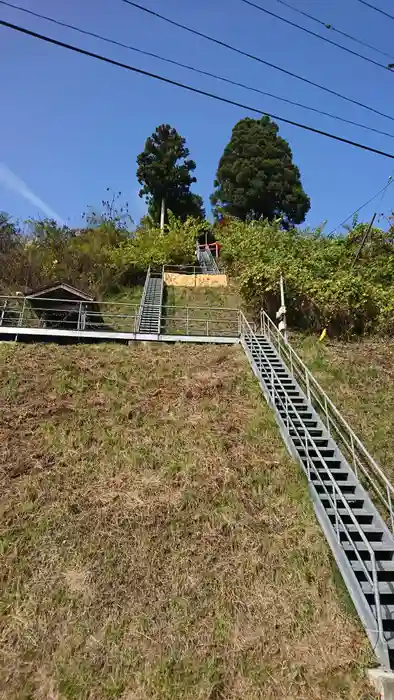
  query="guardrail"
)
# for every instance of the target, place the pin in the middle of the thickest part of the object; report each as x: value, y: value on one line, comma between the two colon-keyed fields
x: 333, y: 491
x: 184, y: 269
x: 116, y: 317
x: 361, y: 461
x: 143, y: 297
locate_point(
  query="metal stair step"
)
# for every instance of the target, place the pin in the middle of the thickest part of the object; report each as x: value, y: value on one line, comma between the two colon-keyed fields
x: 301, y: 430
x: 343, y: 485
x: 354, y: 502
x: 387, y: 613
x: 324, y: 451
x: 386, y: 592
x: 338, y: 474
x: 361, y: 515
x: 319, y: 442
x: 381, y: 551
x: 371, y: 532
x: 331, y: 463
x: 384, y: 570
x: 302, y: 414
x: 307, y: 423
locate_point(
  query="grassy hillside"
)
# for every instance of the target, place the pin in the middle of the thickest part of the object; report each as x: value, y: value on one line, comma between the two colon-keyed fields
x: 157, y: 542
x: 359, y: 378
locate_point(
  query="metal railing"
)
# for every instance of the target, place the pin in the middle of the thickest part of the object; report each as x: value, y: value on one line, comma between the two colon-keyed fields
x: 184, y: 269
x: 360, y: 460
x: 334, y: 494
x: 202, y: 251
x: 116, y: 317
x: 141, y: 307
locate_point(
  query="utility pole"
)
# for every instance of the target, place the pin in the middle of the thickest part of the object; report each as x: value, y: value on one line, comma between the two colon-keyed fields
x: 281, y: 314
x: 162, y: 214
x: 364, y: 239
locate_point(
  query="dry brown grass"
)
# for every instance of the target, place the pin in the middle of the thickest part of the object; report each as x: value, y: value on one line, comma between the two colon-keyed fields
x: 157, y: 542
x: 359, y: 378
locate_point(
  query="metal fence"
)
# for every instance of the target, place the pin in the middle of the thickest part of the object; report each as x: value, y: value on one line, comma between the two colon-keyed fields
x: 115, y: 317
x: 363, y: 464
x: 184, y: 269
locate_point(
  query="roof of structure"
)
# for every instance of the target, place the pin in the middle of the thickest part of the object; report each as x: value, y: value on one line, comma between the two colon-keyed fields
x: 54, y: 287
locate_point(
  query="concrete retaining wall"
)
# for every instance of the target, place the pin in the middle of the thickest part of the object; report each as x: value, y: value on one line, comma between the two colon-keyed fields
x: 174, y: 279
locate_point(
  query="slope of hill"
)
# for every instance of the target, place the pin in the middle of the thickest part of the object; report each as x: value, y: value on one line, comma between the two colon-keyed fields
x: 358, y: 377
x: 156, y: 540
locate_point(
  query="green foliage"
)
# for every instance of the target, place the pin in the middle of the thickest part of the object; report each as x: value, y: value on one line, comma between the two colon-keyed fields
x: 324, y: 287
x: 165, y: 172
x: 100, y: 258
x: 256, y: 177
x: 150, y: 247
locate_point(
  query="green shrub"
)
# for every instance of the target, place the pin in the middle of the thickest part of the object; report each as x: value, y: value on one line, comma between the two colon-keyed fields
x: 324, y: 284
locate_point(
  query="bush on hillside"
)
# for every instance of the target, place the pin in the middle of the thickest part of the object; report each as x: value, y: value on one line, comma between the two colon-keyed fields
x: 99, y: 259
x: 324, y: 287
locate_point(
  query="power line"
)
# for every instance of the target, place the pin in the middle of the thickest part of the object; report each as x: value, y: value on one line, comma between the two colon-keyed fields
x: 105, y: 59
x: 309, y: 31
x: 193, y: 69
x: 329, y: 26
x: 254, y: 58
x: 381, y: 191
x: 377, y: 9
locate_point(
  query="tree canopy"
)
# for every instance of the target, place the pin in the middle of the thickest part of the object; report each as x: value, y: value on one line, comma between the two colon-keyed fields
x: 165, y: 172
x: 256, y: 176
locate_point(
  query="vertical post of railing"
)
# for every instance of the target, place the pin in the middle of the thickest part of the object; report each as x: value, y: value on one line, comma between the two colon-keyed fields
x: 260, y: 359
x: 287, y: 412
x: 326, y: 412
x: 207, y: 325
x: 390, y: 508
x: 308, y: 466
x: 291, y: 362
x: 20, y: 320
x: 334, y: 495
x: 79, y: 315
x: 187, y: 320
x: 377, y: 599
x: 240, y: 324
x: 353, y: 454
x: 3, y: 312
x: 261, y: 322
x: 272, y: 386
x: 308, y: 390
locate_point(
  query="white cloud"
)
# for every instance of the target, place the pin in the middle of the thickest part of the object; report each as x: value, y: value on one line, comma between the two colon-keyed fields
x: 14, y: 183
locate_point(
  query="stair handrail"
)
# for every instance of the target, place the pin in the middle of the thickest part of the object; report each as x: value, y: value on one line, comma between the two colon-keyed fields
x: 142, y: 302
x: 360, y: 458
x: 161, y: 300
x: 246, y: 331
x: 212, y: 260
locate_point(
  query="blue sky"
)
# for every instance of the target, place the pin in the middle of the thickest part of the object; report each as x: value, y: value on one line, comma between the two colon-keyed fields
x: 71, y: 126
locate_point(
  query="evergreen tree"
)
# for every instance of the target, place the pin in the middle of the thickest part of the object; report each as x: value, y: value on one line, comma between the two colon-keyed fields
x: 256, y: 176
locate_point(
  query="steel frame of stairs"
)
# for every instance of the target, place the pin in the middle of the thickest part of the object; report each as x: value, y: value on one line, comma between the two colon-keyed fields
x: 207, y: 261
x: 149, y: 314
x: 360, y: 540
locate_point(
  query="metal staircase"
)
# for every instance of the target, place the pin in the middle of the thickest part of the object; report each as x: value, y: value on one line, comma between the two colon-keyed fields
x: 313, y: 429
x: 149, y: 315
x: 207, y: 261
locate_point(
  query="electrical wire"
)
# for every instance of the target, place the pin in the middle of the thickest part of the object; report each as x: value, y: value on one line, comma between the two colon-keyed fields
x: 253, y: 57
x: 197, y: 91
x: 309, y: 31
x: 329, y: 26
x: 381, y: 191
x: 377, y: 9
x: 193, y: 69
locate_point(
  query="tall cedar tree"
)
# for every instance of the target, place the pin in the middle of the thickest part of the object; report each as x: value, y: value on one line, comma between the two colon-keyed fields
x: 256, y: 176
x: 164, y: 172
